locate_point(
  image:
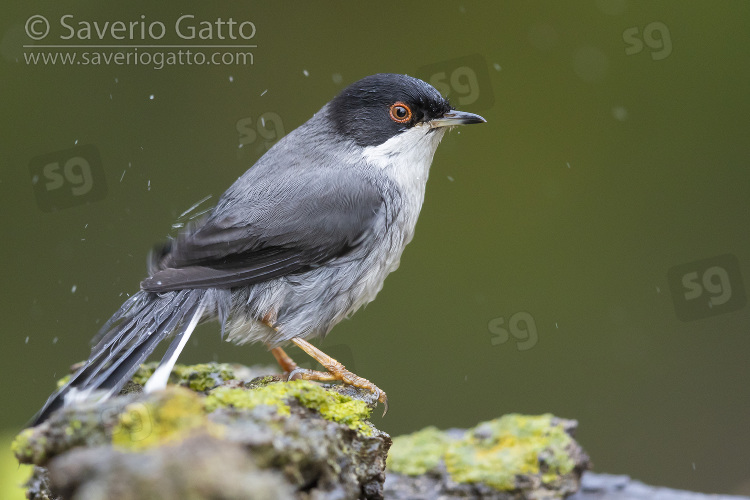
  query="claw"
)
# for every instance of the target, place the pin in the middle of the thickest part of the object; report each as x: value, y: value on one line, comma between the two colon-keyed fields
x: 292, y: 373
x: 335, y: 370
x: 381, y: 396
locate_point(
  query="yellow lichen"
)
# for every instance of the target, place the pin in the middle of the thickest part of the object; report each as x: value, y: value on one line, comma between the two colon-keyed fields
x: 23, y: 446
x: 495, y: 451
x: 200, y: 377
x: 61, y: 382
x: 331, y: 405
x: 177, y: 414
x: 418, y: 453
x: 492, y: 453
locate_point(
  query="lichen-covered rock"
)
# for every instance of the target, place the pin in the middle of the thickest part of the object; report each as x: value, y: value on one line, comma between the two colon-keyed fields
x: 511, y: 457
x: 216, y: 435
x: 228, y: 431
x: 197, y: 467
x: 201, y: 377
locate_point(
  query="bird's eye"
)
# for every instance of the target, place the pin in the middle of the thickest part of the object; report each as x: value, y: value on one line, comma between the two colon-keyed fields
x: 400, y: 112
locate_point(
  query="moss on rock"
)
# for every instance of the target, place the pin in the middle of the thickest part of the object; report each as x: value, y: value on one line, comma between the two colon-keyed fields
x: 418, y: 453
x: 331, y: 405
x: 294, y: 434
x: 495, y: 453
x: 176, y: 414
x: 27, y: 449
x: 201, y: 377
x: 297, y: 435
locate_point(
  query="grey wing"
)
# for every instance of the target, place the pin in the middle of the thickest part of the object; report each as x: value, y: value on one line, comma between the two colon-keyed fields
x: 271, y: 229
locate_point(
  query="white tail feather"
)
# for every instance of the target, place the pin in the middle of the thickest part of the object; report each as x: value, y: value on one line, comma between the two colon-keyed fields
x: 158, y: 380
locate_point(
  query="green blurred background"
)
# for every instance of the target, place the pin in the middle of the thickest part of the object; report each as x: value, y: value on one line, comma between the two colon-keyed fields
x: 582, y: 253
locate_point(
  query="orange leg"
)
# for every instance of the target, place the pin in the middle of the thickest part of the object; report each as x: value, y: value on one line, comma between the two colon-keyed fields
x: 336, y: 371
x: 285, y: 362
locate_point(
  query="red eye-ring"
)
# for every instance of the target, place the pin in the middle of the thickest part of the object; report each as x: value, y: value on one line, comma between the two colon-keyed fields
x: 400, y: 112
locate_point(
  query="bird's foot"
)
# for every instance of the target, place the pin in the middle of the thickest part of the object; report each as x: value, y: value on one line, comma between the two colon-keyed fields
x: 335, y: 370
x: 343, y: 375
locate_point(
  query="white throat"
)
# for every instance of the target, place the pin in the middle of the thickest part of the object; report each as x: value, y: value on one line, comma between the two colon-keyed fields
x: 406, y: 160
x: 406, y: 157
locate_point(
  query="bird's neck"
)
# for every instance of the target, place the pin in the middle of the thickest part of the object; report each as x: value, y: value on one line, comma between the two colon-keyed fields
x: 406, y: 160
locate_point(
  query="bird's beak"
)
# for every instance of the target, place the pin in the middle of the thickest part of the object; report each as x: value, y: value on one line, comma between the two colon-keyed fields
x: 454, y: 117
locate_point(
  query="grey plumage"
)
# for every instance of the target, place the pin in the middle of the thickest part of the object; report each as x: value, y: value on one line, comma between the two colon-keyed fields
x: 299, y: 242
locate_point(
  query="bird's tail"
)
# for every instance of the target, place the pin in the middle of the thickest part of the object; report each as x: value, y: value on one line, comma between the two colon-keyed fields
x: 126, y: 340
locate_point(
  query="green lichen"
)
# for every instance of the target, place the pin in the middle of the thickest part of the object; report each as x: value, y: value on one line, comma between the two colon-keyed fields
x: 26, y: 448
x: 204, y: 376
x: 336, y: 407
x: 74, y: 426
x: 143, y: 373
x: 75, y: 367
x: 240, y: 398
x: 200, y: 377
x: 175, y: 415
x: 492, y: 453
x: 261, y: 381
x: 418, y: 453
x: 331, y: 405
x: 495, y: 451
x: 61, y: 382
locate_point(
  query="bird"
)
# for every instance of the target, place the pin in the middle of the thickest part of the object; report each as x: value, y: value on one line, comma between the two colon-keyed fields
x: 299, y: 242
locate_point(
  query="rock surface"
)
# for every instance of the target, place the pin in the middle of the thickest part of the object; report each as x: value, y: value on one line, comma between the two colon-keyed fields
x: 231, y: 432
x: 221, y: 436
x: 616, y: 487
x: 512, y: 457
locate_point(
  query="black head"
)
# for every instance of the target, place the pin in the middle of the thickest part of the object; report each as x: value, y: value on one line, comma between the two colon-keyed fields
x: 376, y: 108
